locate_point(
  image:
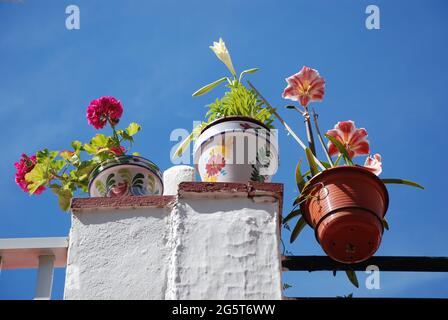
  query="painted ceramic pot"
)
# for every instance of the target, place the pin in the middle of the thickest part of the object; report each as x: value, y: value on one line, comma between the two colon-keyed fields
x: 126, y: 176
x: 345, y: 207
x: 236, y: 149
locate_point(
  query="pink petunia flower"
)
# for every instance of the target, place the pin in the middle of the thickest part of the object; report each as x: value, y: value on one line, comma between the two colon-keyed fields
x: 214, y: 164
x: 103, y: 109
x: 305, y: 86
x: 118, y: 151
x: 23, y: 166
x: 374, y: 164
x: 352, y: 138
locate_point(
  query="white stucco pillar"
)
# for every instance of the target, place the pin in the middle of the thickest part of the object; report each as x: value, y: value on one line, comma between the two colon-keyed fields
x: 212, y: 241
x: 173, y: 176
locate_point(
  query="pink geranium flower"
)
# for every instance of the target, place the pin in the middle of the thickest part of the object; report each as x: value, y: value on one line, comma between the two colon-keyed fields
x: 118, y: 151
x: 305, y: 86
x: 352, y: 138
x: 374, y: 164
x: 102, y: 110
x: 23, y: 166
x: 215, y: 164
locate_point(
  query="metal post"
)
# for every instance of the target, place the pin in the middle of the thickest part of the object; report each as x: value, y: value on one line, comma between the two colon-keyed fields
x: 44, y: 278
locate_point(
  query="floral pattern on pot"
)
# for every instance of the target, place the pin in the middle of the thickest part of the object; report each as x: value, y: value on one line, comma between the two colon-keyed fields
x: 215, y: 164
x: 126, y: 177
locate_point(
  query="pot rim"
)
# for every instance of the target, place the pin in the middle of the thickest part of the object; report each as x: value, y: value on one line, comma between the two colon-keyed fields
x: 235, y: 118
x: 144, y: 163
x: 357, y: 168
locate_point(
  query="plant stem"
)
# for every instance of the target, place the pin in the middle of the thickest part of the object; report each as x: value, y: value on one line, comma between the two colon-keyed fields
x: 316, y: 124
x: 309, y: 131
x: 288, y: 128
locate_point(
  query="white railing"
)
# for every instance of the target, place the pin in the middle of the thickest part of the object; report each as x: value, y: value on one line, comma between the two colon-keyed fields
x: 45, y: 254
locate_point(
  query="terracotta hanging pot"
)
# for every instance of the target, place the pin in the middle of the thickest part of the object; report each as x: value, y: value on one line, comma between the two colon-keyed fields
x: 236, y: 149
x: 126, y: 176
x: 346, y: 206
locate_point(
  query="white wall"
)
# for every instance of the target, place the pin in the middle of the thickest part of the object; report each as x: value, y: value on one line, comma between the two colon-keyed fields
x: 118, y: 254
x: 197, y: 248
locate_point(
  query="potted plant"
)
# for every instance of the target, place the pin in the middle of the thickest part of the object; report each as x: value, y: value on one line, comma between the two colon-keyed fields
x: 344, y: 202
x: 235, y: 143
x: 100, y: 167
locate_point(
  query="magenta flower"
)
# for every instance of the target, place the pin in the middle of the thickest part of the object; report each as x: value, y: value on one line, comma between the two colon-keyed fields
x: 374, y: 164
x: 25, y: 165
x: 353, y: 139
x: 118, y: 151
x: 305, y: 86
x: 102, y: 110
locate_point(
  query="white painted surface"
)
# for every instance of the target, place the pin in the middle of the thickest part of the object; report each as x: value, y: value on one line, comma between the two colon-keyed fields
x: 226, y: 248
x: 232, y: 253
x: 175, y: 175
x: 24, y: 253
x: 117, y: 254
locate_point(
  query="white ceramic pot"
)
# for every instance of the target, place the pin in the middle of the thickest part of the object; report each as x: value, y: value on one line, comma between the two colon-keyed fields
x: 126, y: 176
x: 236, y: 149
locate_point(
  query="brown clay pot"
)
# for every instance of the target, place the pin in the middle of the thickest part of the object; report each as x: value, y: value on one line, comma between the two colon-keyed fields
x: 346, y: 207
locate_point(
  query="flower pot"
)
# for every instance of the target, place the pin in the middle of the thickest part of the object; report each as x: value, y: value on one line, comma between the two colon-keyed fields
x: 126, y: 176
x: 236, y: 149
x: 345, y: 206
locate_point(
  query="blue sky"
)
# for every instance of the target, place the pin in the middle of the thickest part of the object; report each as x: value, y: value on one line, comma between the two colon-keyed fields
x: 153, y: 54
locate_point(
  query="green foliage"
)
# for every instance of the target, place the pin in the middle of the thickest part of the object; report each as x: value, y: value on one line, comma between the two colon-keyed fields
x: 311, y: 162
x: 351, y: 275
x: 297, y: 229
x: 299, y: 178
x: 133, y: 128
x: 239, y: 101
x: 403, y: 181
x: 209, y: 87
x: 291, y: 215
x: 65, y: 172
x: 341, y: 148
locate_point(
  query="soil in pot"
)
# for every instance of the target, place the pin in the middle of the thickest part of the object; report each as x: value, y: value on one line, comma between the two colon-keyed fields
x: 346, y: 206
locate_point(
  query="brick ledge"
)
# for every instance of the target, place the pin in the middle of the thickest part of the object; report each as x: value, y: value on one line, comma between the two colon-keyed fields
x: 186, y: 190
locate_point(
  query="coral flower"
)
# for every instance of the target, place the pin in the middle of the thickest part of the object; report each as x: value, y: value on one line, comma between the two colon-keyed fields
x: 102, y: 110
x: 25, y: 165
x: 215, y: 164
x: 352, y: 138
x: 374, y: 164
x: 305, y: 86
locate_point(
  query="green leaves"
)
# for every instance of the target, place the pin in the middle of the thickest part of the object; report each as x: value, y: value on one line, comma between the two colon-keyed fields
x: 239, y: 101
x: 64, y: 197
x: 351, y: 275
x: 297, y: 229
x: 37, y: 177
x: 45, y: 156
x: 133, y: 128
x: 341, y: 148
x: 299, y: 178
x: 312, y: 163
x: 97, y: 143
x: 403, y: 181
x: 77, y: 145
x: 248, y: 71
x: 186, y: 142
x: 385, y: 224
x: 291, y: 215
x: 209, y: 87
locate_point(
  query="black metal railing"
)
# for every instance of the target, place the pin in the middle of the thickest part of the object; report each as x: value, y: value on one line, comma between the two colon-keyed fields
x: 384, y: 263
